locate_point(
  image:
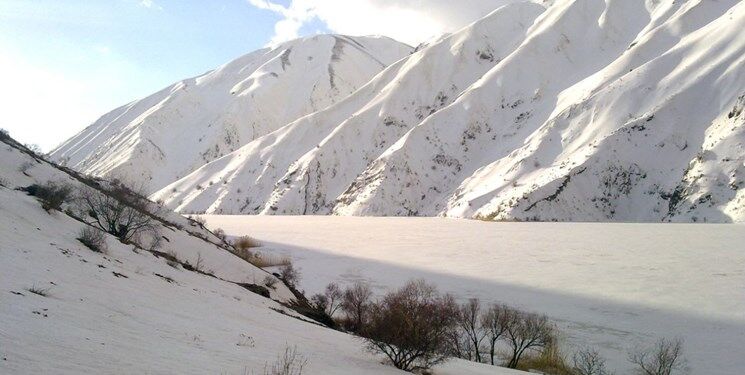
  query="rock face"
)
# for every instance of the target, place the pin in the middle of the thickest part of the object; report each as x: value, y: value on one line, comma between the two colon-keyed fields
x: 581, y: 110
x: 169, y: 134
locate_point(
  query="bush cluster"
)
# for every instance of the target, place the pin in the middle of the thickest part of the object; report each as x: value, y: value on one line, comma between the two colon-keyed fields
x: 120, y: 211
x: 416, y: 327
x: 93, y: 239
x: 52, y: 195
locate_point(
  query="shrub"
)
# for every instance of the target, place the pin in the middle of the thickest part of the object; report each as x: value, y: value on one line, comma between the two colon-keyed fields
x: 245, y: 243
x: 588, y: 361
x: 664, y: 358
x: 51, y: 195
x: 172, y: 259
x: 196, y: 219
x: 4, y: 135
x: 243, y: 246
x: 93, y: 239
x: 411, y: 326
x: 289, y: 363
x: 219, y: 233
x: 34, y: 148
x: 289, y: 274
x: 270, y: 281
x: 548, y: 361
x: 355, y: 303
x: 320, y: 302
x: 526, y: 331
x: 39, y: 291
x: 199, y: 263
x: 330, y: 301
x: 155, y: 243
x: 121, y: 212
x: 263, y: 260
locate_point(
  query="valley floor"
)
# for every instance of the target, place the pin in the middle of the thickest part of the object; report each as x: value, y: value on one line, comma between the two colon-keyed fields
x: 611, y: 286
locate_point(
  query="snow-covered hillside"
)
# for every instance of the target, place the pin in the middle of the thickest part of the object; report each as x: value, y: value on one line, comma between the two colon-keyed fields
x: 167, y: 135
x: 617, y: 110
x: 130, y: 311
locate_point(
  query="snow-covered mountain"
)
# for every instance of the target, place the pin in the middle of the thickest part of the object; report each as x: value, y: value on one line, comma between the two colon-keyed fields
x: 598, y: 110
x: 330, y: 148
x: 167, y: 135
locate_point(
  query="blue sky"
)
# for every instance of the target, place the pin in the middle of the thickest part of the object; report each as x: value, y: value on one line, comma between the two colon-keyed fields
x: 112, y: 52
x: 63, y: 63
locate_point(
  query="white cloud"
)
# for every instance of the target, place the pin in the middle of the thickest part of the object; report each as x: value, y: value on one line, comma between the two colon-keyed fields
x: 150, y: 4
x: 412, y: 21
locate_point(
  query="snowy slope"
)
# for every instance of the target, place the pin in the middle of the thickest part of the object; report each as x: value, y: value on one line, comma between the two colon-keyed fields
x: 131, y: 312
x: 187, y: 240
x: 169, y: 134
x: 595, y: 117
x: 593, y: 110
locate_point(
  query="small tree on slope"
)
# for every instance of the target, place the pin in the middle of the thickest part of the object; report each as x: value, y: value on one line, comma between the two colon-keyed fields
x: 411, y: 326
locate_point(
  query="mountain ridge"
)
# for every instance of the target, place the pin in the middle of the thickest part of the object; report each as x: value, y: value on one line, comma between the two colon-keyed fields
x: 577, y: 110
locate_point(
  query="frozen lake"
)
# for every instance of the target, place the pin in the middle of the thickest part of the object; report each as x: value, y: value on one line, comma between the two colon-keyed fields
x: 612, y: 286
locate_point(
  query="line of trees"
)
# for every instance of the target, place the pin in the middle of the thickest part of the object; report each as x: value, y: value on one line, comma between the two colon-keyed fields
x: 417, y: 327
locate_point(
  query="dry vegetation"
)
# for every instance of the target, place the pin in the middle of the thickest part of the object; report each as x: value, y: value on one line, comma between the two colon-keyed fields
x: 664, y: 358
x: 44, y: 292
x: 289, y: 363
x: 243, y: 247
x: 410, y: 326
x: 93, y: 239
x: 416, y: 327
x: 52, y: 195
x: 120, y: 212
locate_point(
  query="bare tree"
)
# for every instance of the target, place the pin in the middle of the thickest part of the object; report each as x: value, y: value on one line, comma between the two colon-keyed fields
x: 355, y: 302
x: 527, y: 331
x: 121, y: 211
x: 495, y: 322
x: 588, y: 361
x: 33, y: 147
x: 459, y: 345
x: 468, y: 323
x: 199, y: 263
x: 289, y: 274
x: 411, y: 326
x: 320, y: 302
x: 330, y: 300
x: 664, y: 358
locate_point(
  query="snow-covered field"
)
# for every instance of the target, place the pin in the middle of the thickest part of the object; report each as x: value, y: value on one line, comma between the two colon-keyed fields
x: 612, y: 286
